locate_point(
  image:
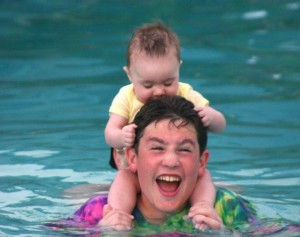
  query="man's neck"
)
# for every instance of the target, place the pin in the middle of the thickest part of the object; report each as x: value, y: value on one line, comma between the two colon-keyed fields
x: 152, y: 215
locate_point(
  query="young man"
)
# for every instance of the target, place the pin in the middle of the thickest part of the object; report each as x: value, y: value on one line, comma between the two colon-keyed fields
x: 168, y: 157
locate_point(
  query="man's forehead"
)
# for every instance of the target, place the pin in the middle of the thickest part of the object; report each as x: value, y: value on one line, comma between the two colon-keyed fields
x: 180, y: 141
x: 160, y: 129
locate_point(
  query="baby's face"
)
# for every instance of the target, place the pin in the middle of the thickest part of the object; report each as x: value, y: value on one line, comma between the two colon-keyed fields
x: 153, y: 76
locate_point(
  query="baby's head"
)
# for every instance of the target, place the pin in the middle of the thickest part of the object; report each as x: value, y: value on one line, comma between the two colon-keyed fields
x: 154, y: 40
x: 153, y: 61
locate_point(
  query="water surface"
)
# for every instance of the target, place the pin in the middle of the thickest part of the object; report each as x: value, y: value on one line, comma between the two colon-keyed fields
x: 61, y: 65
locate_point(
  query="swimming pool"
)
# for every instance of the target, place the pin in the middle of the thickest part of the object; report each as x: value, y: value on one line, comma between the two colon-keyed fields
x: 61, y: 64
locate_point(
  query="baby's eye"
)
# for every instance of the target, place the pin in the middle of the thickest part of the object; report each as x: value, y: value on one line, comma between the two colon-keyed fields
x: 168, y: 83
x: 147, y: 85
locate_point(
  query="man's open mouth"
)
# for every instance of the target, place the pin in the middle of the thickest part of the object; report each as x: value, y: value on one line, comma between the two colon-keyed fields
x: 168, y: 184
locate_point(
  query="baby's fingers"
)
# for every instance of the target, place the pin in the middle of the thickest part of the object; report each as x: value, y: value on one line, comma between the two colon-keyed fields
x: 203, y: 222
x: 202, y: 226
x: 198, y: 108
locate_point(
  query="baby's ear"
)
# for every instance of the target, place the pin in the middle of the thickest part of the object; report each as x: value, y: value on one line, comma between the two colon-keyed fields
x: 126, y: 70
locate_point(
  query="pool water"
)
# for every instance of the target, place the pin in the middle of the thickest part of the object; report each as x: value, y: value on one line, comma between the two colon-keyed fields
x: 61, y: 65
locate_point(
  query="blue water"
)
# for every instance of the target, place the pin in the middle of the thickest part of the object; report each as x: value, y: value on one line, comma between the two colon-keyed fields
x: 61, y: 64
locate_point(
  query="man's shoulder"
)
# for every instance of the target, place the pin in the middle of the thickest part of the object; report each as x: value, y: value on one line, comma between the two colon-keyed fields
x: 233, y: 208
x: 92, y: 210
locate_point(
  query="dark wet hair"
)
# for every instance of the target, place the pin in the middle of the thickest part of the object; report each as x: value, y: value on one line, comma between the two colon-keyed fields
x: 174, y: 108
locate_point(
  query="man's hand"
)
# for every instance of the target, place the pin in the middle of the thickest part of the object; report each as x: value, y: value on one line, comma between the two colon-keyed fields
x: 115, y: 219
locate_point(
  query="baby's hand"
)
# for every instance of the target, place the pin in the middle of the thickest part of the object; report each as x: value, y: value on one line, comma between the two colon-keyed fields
x: 115, y: 219
x: 204, y: 216
x: 128, y: 135
x: 206, y: 113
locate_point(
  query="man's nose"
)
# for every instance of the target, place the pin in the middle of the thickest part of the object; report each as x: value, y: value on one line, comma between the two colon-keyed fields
x: 171, y: 160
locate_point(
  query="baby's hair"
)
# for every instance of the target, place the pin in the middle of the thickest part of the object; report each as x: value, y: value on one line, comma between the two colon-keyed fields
x: 155, y: 39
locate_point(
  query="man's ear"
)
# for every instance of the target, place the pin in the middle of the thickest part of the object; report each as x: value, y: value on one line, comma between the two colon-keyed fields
x: 126, y: 70
x: 203, y: 162
x: 132, y: 159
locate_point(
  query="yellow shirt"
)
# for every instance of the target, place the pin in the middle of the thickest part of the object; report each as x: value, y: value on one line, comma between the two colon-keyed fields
x: 127, y: 105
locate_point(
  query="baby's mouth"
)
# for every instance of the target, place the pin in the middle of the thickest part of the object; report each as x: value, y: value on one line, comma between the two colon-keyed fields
x: 168, y: 184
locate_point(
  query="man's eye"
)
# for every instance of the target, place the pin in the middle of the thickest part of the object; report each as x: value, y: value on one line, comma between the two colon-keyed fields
x: 157, y: 148
x: 185, y: 150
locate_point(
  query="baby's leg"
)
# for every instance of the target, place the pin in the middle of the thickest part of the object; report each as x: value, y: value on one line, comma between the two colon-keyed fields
x: 122, y: 160
x: 202, y: 198
x: 204, y: 190
x: 123, y: 191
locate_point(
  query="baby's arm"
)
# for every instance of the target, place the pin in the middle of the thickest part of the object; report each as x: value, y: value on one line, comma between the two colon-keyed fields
x: 211, y: 118
x: 123, y: 191
x: 118, y: 133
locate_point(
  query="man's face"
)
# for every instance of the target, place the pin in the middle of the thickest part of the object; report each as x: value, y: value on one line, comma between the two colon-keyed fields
x: 168, y: 165
x: 153, y: 76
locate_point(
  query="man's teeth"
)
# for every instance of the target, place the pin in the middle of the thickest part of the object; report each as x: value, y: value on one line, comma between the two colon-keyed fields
x: 169, y: 178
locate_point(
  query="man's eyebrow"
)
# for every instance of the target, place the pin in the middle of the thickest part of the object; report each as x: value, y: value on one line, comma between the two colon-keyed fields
x: 185, y: 141
x: 155, y: 139
x: 182, y: 142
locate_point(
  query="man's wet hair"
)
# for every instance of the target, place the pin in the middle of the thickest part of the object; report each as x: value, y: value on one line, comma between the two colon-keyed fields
x: 177, y: 109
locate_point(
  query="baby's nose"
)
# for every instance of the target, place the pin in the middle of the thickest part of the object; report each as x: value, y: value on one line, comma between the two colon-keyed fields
x: 159, y: 91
